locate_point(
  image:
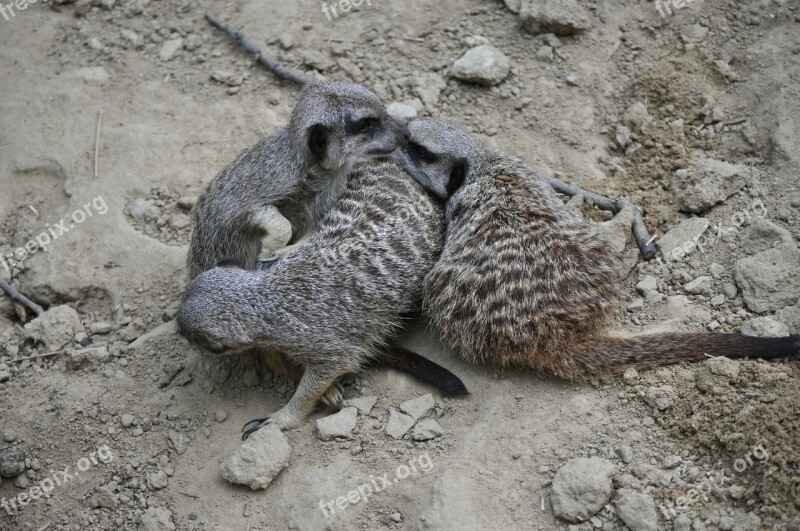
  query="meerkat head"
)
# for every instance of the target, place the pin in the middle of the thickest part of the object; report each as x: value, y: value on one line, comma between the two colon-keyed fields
x: 339, y: 123
x: 441, y: 156
x: 212, y: 315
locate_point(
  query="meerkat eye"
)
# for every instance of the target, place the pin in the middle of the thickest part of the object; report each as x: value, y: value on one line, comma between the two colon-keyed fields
x: 420, y: 152
x: 367, y: 124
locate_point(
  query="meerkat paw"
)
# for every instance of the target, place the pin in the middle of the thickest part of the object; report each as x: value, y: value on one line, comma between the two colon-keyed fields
x: 334, y: 396
x: 281, y: 418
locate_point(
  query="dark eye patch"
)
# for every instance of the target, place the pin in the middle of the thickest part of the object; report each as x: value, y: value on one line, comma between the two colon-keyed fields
x: 367, y: 124
x: 420, y: 152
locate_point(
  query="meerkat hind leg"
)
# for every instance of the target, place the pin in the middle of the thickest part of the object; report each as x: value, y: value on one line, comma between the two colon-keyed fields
x: 277, y: 233
x: 316, y: 381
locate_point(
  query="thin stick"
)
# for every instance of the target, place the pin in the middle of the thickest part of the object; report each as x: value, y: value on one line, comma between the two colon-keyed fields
x: 45, y: 355
x: 640, y: 232
x: 189, y: 494
x: 20, y: 298
x: 97, y: 142
x: 271, y: 64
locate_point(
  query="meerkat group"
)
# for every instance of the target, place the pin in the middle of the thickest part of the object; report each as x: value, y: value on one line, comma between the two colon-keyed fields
x: 506, y: 273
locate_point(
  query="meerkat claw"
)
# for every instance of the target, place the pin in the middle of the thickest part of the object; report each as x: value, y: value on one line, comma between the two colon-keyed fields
x: 333, y: 397
x: 259, y: 421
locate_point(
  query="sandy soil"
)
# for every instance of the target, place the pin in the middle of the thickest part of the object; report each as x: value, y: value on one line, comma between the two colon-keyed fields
x: 717, y: 79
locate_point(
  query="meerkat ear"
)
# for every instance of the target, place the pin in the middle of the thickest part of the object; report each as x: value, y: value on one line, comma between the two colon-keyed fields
x: 318, y: 141
x: 457, y: 175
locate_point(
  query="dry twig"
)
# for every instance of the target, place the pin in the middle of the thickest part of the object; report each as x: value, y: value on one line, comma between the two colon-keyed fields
x: 271, y: 64
x: 20, y: 298
x: 640, y: 232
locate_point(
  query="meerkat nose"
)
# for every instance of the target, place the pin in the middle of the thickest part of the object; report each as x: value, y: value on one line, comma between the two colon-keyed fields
x: 406, y: 133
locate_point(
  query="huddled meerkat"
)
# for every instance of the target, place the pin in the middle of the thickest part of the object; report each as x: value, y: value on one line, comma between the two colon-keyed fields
x: 282, y: 186
x: 332, y: 305
x: 524, y: 281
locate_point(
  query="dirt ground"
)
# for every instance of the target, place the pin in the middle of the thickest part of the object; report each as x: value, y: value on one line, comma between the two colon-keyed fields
x: 142, y: 424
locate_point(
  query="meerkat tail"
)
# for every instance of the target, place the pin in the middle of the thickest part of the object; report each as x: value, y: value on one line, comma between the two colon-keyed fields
x: 423, y: 369
x: 610, y: 355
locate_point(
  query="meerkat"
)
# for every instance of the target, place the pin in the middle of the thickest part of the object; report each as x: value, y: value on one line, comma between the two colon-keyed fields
x: 333, y: 304
x: 524, y: 281
x: 280, y: 188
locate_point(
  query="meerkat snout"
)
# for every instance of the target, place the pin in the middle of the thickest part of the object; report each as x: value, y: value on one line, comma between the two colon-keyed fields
x: 427, y: 156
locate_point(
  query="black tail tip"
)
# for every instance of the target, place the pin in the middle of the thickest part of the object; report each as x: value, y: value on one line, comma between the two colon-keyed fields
x: 453, y: 386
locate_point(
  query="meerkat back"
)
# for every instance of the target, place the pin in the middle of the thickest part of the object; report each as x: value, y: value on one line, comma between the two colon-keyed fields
x: 518, y: 271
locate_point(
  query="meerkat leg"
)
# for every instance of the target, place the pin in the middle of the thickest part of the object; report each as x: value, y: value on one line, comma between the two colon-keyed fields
x: 316, y: 381
x: 277, y: 232
x: 285, y: 251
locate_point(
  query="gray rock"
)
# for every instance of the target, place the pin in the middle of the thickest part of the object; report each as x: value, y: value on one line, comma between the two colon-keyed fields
x: 340, y: 424
x: 694, y: 33
x: 637, y: 510
x: 682, y: 523
x: 682, y: 240
x: 127, y: 420
x: 426, y: 430
x: 659, y: 397
x: 722, y: 366
x: 513, y: 5
x: 55, y: 327
x: 12, y: 462
x: 104, y: 499
x: 709, y: 182
x: 625, y: 454
x: 730, y: 290
x: 770, y: 280
x: 623, y: 136
x: 90, y: 357
x: 187, y: 202
x: 581, y: 488
x: 482, y: 64
x: 170, y: 48
x: 398, y: 424
x: 363, y: 404
x: 764, y: 235
x: 92, y: 74
x: 418, y: 407
x: 791, y: 316
x: 156, y: 519
x: 100, y: 328
x: 428, y: 87
x: 178, y: 441
x: 647, y: 284
x: 700, y: 285
x: 765, y: 327
x: 259, y: 460
x: 636, y: 117
x: 157, y: 480
x: 401, y: 112
x: 551, y: 16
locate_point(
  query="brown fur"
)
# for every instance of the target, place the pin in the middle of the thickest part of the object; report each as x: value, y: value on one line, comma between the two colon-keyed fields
x: 524, y: 281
